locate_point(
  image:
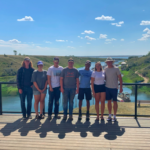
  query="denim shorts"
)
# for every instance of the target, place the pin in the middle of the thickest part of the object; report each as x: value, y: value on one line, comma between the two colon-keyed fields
x: 38, y: 93
x: 111, y: 94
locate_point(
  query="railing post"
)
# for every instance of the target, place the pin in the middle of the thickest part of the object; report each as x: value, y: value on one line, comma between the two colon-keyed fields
x: 135, y: 101
x: 0, y: 99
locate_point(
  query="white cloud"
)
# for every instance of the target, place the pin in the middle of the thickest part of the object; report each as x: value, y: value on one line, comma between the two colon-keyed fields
x: 80, y: 37
x: 112, y: 39
x: 26, y: 18
x: 66, y: 40
x: 48, y: 42
x: 71, y: 41
x: 89, y: 38
x: 71, y: 47
x: 122, y: 40
x: 118, y: 24
x: 103, y: 36
x: 107, y: 18
x: 145, y: 22
x: 88, y: 32
x: 88, y: 43
x: 60, y: 40
x: 15, y: 41
x: 145, y: 36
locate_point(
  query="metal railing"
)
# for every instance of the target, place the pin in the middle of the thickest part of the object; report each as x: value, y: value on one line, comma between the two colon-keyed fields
x: 126, y: 84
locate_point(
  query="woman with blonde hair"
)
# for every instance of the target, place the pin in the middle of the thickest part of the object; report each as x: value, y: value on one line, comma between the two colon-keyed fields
x: 98, y: 89
x: 24, y: 85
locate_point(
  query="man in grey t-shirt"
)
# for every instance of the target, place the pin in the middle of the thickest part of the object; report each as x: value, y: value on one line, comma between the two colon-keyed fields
x: 69, y: 83
x: 112, y: 74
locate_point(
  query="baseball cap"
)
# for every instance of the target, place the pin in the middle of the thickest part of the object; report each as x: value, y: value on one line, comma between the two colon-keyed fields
x: 70, y: 60
x: 39, y: 63
x: 27, y: 59
x: 56, y: 59
x: 88, y: 62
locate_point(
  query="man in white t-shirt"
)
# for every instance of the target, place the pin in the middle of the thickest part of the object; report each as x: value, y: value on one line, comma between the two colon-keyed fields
x: 53, y: 77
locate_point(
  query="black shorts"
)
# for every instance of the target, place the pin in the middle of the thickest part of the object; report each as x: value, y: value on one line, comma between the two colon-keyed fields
x: 99, y: 88
x: 87, y: 92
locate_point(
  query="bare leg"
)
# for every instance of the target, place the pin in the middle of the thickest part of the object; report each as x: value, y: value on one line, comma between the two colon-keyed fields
x: 88, y: 105
x: 42, y: 99
x: 80, y: 104
x: 37, y: 99
x: 97, y: 99
x: 109, y: 106
x: 115, y: 107
x: 103, y: 97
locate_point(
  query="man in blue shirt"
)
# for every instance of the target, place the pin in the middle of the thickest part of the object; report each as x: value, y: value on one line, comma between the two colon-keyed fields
x: 84, y: 88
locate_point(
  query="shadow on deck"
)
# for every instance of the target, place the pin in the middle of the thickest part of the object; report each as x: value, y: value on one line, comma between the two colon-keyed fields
x: 86, y: 132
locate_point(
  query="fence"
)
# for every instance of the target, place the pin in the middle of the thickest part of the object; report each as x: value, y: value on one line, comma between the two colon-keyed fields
x: 125, y: 84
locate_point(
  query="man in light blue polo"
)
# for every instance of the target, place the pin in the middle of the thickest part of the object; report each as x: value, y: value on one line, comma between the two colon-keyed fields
x: 84, y: 88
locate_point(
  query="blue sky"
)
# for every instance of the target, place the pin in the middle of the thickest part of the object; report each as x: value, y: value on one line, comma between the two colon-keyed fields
x: 75, y: 27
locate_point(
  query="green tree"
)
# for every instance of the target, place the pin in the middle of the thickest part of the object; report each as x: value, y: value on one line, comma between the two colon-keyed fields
x: 15, y: 52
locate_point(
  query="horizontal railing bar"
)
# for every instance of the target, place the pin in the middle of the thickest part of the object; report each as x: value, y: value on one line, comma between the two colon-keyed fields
x: 123, y: 83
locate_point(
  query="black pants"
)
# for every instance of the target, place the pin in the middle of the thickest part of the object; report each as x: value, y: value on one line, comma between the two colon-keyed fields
x: 54, y: 95
x: 26, y: 92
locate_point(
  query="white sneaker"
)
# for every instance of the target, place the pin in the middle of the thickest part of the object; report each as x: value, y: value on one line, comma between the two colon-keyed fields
x: 109, y: 119
x: 114, y: 119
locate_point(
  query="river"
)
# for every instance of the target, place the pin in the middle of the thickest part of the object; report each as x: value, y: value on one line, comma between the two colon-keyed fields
x: 12, y: 103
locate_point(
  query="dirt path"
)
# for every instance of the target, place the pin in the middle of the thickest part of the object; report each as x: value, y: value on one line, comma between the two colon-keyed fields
x: 145, y: 78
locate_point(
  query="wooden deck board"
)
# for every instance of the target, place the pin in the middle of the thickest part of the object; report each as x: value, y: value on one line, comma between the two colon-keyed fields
x: 126, y: 133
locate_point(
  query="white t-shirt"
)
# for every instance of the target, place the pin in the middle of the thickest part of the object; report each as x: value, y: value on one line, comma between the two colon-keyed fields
x: 55, y: 75
x: 99, y: 77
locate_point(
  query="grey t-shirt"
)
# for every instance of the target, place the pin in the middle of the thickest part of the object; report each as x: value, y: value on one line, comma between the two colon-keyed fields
x: 69, y: 77
x: 40, y: 78
x: 112, y: 77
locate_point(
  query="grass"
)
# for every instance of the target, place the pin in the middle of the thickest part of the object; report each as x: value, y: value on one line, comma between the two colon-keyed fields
x: 10, y: 64
x: 124, y: 108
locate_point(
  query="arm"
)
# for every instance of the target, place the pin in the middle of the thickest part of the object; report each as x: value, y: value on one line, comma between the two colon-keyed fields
x: 92, y: 85
x: 120, y: 79
x: 36, y: 86
x: 19, y: 81
x: 31, y: 76
x: 61, y: 85
x: 77, y: 90
x: 49, y: 82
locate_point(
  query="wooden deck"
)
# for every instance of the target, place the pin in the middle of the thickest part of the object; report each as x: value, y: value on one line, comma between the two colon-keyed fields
x: 126, y: 133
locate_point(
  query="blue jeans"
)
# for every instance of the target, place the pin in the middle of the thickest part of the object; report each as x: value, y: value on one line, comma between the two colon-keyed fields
x: 55, y: 95
x: 26, y: 91
x: 68, y: 96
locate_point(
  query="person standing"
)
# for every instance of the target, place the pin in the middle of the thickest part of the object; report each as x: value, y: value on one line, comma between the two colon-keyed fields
x: 53, y: 76
x: 69, y: 83
x: 24, y: 85
x: 112, y: 76
x: 98, y: 89
x: 39, y: 79
x: 84, y: 88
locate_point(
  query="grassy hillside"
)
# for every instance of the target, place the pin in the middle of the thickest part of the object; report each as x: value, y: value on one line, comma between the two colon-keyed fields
x: 142, y: 65
x: 9, y: 64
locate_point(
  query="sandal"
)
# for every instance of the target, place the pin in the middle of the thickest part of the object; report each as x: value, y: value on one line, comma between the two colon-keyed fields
x: 97, y: 119
x: 102, y: 118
